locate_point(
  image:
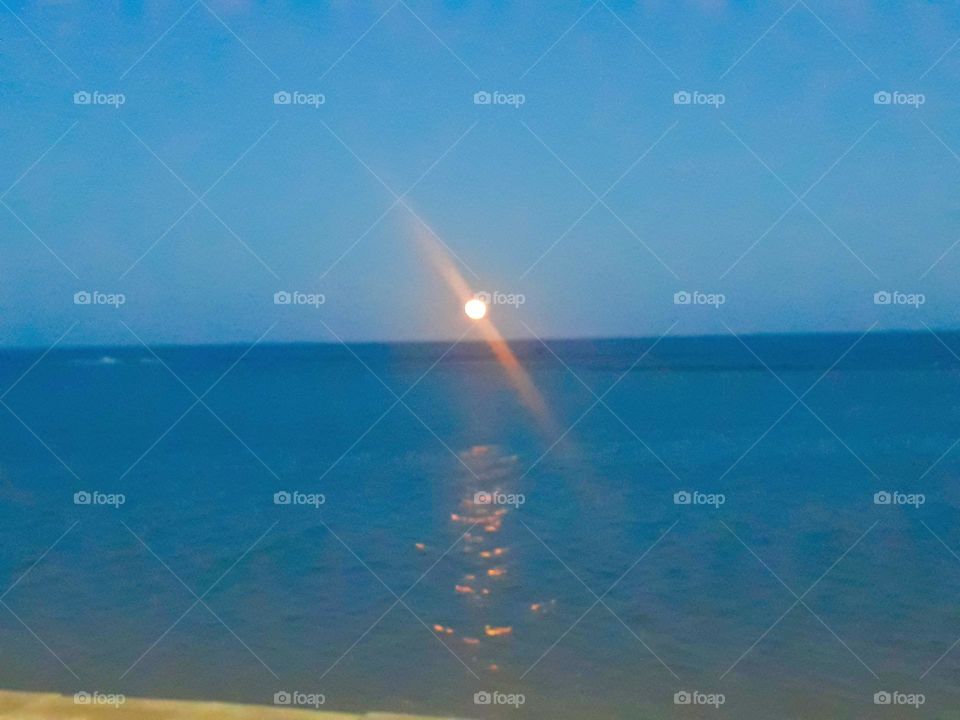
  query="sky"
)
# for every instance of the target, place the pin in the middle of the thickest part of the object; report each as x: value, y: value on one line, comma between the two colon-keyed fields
x: 584, y: 197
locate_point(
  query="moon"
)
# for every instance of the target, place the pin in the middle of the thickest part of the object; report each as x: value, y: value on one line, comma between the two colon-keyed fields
x: 475, y: 308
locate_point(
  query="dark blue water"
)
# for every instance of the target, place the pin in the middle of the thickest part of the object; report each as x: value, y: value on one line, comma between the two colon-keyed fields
x: 295, y: 597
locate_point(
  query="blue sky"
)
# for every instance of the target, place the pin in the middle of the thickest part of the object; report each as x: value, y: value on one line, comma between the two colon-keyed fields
x: 797, y: 199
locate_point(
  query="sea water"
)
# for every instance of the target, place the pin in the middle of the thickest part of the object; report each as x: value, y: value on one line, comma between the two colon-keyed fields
x: 690, y: 527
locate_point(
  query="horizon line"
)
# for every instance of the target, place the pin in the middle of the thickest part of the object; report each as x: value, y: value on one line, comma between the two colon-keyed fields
x: 442, y: 341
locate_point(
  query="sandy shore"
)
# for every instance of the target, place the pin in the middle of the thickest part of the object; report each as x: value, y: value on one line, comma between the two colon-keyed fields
x: 48, y: 706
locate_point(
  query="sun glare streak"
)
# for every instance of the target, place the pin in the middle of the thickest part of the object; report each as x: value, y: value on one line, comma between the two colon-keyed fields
x: 445, y: 267
x: 529, y: 393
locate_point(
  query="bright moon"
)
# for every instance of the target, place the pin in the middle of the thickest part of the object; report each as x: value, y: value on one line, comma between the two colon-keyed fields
x: 475, y: 309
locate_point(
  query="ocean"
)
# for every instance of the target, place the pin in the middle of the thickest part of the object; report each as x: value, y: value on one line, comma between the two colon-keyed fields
x: 700, y: 527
